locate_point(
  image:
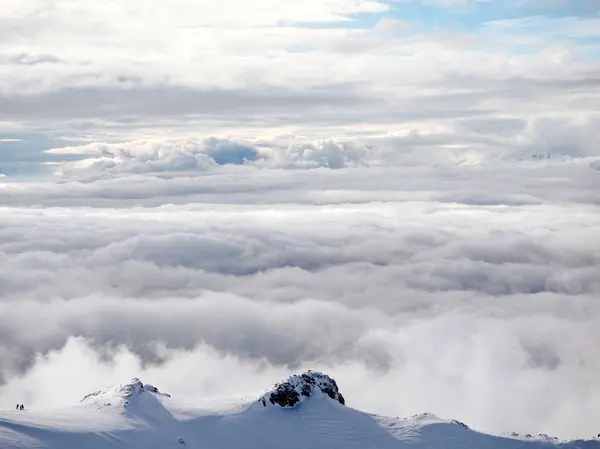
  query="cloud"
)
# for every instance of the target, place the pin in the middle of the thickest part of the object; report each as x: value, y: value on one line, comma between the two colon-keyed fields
x: 312, y: 67
x: 409, y: 206
x: 466, y: 141
x: 456, y: 287
x: 543, y: 3
x: 195, y: 154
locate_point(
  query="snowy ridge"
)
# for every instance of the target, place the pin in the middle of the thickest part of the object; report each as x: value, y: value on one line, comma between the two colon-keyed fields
x: 304, y: 411
x: 528, y: 436
x: 122, y: 395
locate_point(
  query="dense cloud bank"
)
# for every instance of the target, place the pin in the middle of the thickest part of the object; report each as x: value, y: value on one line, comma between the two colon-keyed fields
x: 467, y: 291
x: 466, y: 142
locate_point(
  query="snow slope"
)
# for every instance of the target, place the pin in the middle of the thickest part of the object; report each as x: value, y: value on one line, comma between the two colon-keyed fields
x: 305, y: 411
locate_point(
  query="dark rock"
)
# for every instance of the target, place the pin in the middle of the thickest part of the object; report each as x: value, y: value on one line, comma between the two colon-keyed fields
x: 458, y: 423
x: 290, y: 392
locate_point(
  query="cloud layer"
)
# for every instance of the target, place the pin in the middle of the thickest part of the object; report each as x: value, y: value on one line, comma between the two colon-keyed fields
x: 467, y: 142
x: 468, y: 291
x: 319, y: 64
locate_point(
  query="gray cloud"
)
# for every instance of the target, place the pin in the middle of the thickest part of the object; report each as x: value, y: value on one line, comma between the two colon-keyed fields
x: 326, y: 105
x: 469, y: 141
x: 454, y: 286
x: 121, y: 103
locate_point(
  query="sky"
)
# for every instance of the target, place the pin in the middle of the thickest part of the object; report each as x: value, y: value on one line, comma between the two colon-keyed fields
x: 211, y: 196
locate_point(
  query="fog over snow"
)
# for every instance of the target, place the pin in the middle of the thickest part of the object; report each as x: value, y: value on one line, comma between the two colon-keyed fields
x: 212, y: 195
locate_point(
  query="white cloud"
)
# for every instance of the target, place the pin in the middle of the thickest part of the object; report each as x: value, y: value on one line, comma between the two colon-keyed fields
x: 468, y: 141
x: 121, y: 65
x: 454, y: 287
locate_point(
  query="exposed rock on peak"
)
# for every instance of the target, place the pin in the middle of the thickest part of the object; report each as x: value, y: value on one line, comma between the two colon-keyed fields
x: 298, y: 387
x: 460, y: 424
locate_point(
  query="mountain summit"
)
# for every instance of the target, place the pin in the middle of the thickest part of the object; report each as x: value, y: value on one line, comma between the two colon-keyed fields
x: 122, y: 395
x: 299, y: 387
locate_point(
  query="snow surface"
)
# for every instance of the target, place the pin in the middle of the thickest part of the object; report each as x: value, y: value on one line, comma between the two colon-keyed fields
x: 138, y: 416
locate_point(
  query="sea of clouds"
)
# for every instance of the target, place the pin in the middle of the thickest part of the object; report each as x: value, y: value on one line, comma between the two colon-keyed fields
x: 462, y: 286
x: 414, y: 209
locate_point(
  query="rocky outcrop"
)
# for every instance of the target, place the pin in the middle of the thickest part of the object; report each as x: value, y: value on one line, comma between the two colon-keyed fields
x: 460, y: 424
x: 298, y: 387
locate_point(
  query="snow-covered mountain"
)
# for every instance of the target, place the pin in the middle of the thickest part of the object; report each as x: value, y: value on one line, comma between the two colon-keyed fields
x: 305, y: 411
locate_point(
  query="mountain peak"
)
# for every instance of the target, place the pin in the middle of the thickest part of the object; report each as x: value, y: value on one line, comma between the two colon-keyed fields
x: 301, y: 386
x: 121, y: 394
